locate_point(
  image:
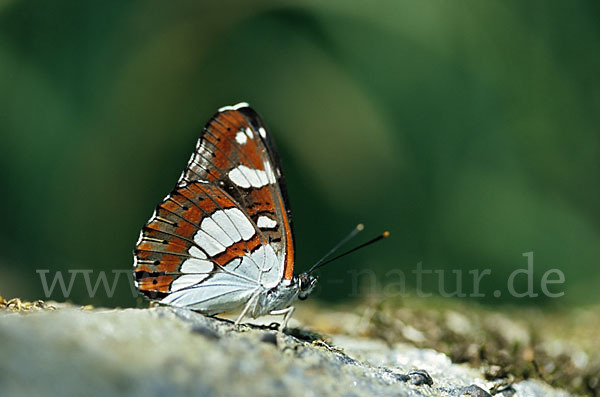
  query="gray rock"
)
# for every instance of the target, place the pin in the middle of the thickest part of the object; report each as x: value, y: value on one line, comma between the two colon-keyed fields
x: 164, y: 351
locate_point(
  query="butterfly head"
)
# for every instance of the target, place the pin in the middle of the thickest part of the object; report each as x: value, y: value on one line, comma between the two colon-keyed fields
x: 306, y: 283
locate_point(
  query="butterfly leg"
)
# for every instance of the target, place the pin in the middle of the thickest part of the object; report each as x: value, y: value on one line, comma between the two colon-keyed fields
x: 245, y: 310
x: 287, y: 312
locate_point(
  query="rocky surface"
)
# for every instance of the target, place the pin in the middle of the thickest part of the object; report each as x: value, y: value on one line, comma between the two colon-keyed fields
x: 165, y: 351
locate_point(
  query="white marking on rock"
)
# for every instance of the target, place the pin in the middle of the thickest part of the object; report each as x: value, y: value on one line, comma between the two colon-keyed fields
x: 264, y: 222
x: 246, y: 177
x: 241, y: 138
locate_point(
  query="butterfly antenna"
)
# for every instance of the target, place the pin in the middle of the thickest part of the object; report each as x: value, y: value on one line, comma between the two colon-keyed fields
x: 359, y: 228
x: 323, y: 262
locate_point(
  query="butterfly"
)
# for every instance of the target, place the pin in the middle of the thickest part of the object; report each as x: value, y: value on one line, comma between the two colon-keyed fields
x: 222, y: 240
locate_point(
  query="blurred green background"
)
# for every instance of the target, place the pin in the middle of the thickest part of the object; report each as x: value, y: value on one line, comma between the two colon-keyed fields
x: 469, y: 129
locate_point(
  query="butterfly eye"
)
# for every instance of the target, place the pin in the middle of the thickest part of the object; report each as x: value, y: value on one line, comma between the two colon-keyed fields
x: 302, y: 281
x: 305, y: 282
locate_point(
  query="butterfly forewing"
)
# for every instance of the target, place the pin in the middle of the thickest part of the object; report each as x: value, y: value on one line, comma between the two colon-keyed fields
x: 225, y: 229
x: 236, y: 153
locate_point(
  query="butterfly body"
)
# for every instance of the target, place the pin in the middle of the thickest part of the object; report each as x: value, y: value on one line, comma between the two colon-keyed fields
x: 222, y: 240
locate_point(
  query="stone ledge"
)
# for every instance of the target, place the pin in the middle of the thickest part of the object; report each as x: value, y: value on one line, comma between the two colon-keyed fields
x: 160, y: 351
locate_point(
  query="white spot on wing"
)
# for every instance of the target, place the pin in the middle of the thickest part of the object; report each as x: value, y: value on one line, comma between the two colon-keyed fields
x: 193, y: 265
x: 262, y: 132
x: 242, y: 224
x: 247, y: 177
x: 220, y: 231
x: 264, y: 222
x: 197, y: 253
x: 221, y: 218
x: 187, y: 281
x: 249, y: 133
x: 234, y: 107
x: 268, y: 262
x: 269, y: 172
x: 207, y: 243
x: 241, y: 138
x: 216, y: 231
